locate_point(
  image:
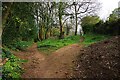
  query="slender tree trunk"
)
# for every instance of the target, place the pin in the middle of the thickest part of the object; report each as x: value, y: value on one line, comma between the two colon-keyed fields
x: 67, y: 31
x: 76, y: 20
x: 51, y: 32
x: 61, y: 32
x: 38, y: 25
x: 50, y: 29
x: 46, y: 33
x: 41, y: 32
x: 60, y: 21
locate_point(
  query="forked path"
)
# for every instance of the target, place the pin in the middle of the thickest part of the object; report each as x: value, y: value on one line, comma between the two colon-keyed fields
x: 57, y: 65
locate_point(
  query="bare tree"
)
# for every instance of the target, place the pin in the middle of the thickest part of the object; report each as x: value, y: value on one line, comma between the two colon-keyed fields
x: 81, y: 8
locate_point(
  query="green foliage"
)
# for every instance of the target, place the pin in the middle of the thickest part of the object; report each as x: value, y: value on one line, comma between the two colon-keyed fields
x: 108, y: 27
x: 93, y: 38
x: 20, y: 45
x: 11, y: 69
x: 10, y: 33
x: 92, y: 24
x: 88, y: 23
x: 50, y: 45
x: 55, y: 31
x: 20, y: 24
x: 115, y: 14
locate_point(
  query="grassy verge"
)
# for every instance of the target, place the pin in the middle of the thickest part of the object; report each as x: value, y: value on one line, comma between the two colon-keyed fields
x: 93, y: 38
x: 51, y: 45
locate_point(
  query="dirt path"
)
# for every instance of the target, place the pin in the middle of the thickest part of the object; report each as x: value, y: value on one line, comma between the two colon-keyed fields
x: 57, y: 65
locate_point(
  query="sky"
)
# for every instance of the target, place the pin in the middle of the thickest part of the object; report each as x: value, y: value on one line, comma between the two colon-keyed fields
x: 107, y: 7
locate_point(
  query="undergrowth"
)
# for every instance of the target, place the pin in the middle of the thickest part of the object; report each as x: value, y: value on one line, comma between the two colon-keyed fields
x: 20, y: 45
x: 11, y: 69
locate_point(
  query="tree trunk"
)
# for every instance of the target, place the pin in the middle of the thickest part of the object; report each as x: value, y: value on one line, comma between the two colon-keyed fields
x: 41, y: 33
x: 6, y: 14
x: 60, y: 21
x: 76, y: 20
x: 38, y: 26
x: 51, y: 32
x: 46, y: 33
x: 68, y: 29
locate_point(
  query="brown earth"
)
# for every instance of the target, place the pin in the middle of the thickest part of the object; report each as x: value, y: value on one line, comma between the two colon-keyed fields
x: 100, y: 60
x: 57, y: 65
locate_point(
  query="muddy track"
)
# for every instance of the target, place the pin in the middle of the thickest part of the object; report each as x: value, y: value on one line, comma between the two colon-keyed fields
x: 57, y: 65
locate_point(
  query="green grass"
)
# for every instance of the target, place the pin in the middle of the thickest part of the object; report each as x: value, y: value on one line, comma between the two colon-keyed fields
x: 51, y: 45
x: 93, y: 38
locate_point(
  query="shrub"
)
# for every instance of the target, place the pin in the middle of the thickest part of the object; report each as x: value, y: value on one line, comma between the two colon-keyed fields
x: 20, y: 45
x: 11, y: 69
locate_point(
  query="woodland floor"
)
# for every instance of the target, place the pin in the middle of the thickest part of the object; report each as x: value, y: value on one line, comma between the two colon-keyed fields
x: 58, y: 64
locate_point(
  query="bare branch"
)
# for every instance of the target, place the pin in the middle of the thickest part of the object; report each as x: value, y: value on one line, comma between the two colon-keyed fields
x: 66, y: 20
x: 85, y: 10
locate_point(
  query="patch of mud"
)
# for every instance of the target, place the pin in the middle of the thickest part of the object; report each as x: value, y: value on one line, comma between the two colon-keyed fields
x: 99, y: 60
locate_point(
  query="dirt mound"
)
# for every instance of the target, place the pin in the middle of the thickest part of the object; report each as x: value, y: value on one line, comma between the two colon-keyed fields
x: 99, y: 60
